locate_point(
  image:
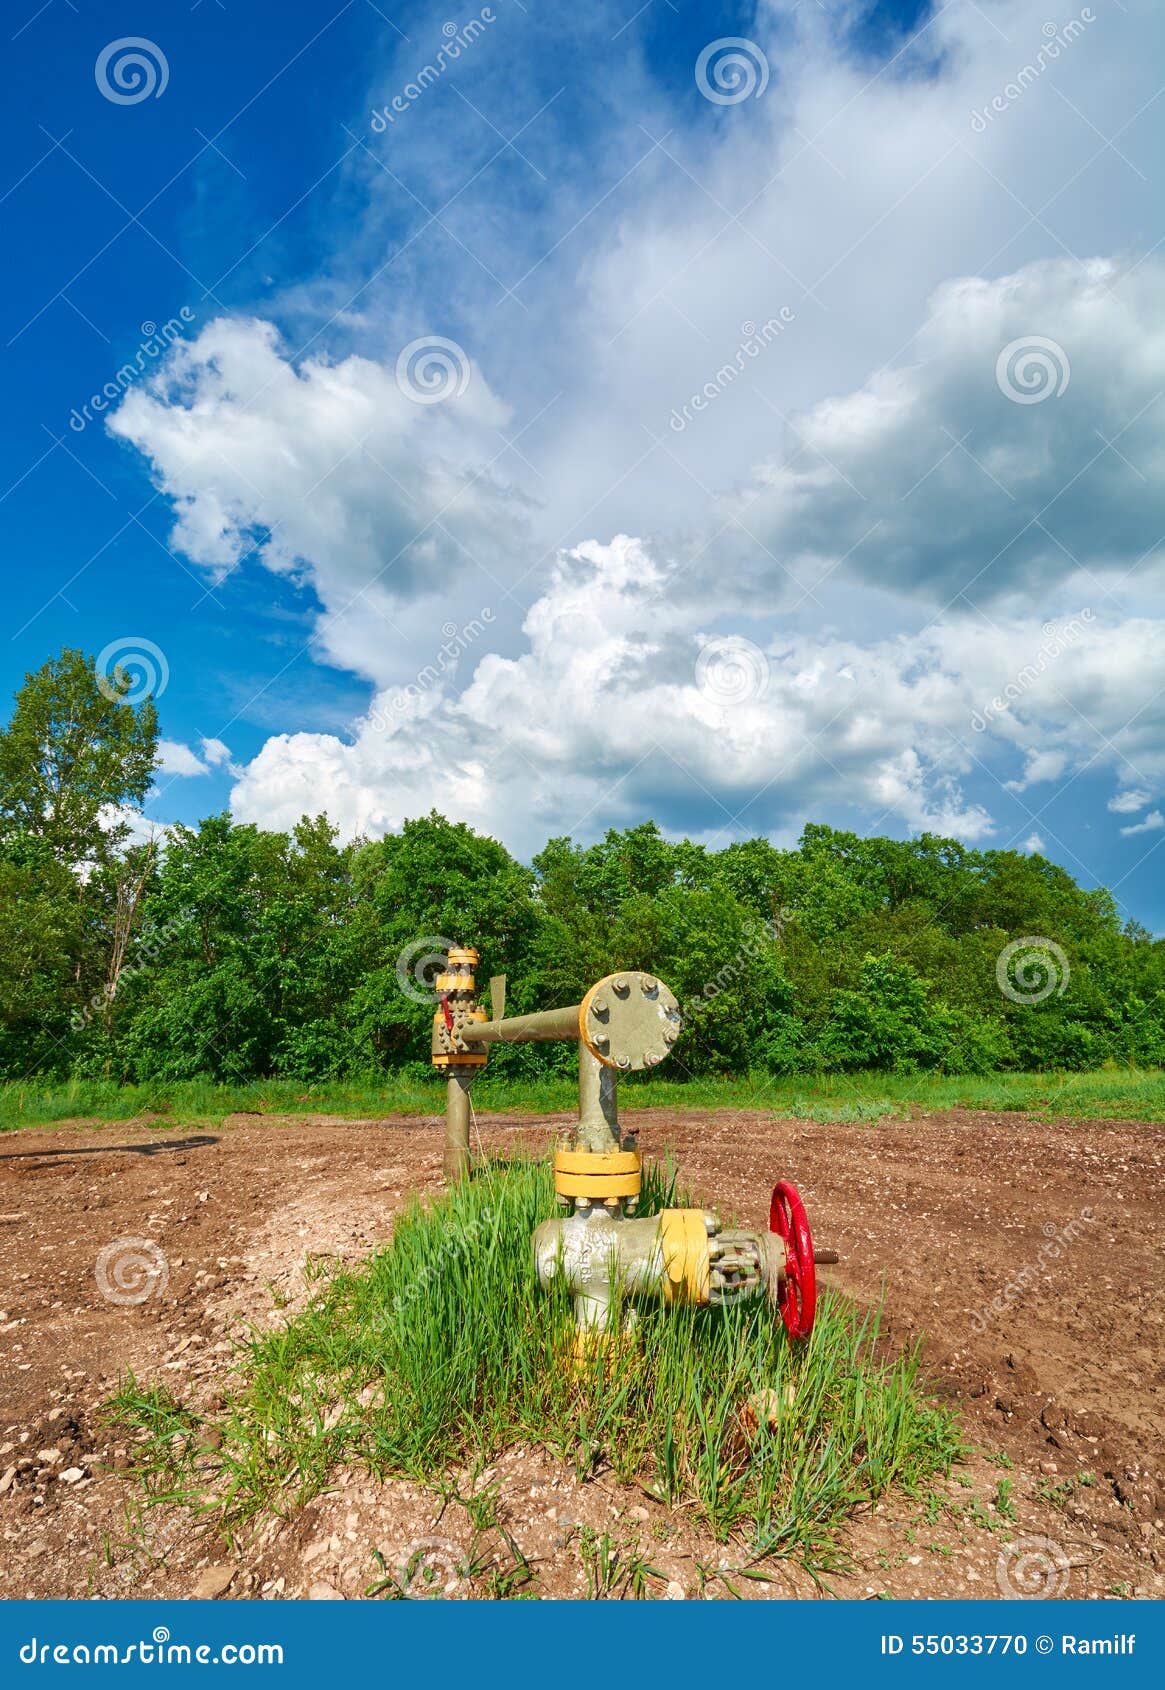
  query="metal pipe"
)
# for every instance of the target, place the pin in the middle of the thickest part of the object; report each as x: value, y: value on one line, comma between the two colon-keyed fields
x: 522, y: 1029
x: 598, y: 1120
x: 456, y: 1161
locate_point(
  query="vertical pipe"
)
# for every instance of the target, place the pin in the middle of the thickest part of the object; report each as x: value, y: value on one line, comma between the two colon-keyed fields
x: 456, y: 1163
x: 598, y: 1119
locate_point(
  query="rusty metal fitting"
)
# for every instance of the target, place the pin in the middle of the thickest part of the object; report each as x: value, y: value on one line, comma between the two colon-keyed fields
x: 739, y: 1266
x: 451, y: 1029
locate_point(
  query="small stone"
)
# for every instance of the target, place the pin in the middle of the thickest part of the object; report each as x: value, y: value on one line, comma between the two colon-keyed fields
x: 675, y: 1591
x: 72, y: 1474
x: 321, y: 1591
x: 212, y: 1583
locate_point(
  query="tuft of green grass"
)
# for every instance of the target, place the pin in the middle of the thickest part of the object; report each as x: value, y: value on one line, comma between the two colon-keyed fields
x: 846, y: 1113
x: 441, y: 1351
x: 1109, y: 1093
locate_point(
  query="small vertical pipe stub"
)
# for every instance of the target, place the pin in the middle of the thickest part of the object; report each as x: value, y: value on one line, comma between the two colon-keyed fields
x: 598, y: 1116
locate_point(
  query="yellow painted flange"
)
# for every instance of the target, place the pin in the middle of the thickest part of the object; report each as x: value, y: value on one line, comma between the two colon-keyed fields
x: 597, y: 1175
x: 687, y: 1261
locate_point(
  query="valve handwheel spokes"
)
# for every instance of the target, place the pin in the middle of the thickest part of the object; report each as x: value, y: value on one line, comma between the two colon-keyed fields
x: 797, y: 1297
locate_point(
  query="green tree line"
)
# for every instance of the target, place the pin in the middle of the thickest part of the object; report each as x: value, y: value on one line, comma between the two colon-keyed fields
x: 233, y: 953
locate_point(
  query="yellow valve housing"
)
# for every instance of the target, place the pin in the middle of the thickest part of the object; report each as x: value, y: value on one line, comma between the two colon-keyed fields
x: 597, y: 1175
x: 687, y: 1257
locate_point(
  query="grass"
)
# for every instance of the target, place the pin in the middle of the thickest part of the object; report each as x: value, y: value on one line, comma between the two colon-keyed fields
x: 1115, y: 1093
x: 440, y: 1352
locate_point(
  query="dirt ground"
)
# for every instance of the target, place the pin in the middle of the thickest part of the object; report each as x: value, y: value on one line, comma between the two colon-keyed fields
x: 1025, y: 1255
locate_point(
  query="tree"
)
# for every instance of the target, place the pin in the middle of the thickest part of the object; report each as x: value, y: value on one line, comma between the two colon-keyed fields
x: 41, y: 944
x: 74, y: 752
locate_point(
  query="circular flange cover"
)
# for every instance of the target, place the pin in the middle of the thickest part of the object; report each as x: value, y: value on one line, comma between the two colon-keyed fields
x: 629, y: 1021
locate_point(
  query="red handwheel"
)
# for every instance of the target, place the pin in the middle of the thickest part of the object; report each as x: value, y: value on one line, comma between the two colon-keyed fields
x: 797, y: 1298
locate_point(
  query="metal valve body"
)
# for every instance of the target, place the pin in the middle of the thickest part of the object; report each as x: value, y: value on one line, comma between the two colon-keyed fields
x: 604, y: 1257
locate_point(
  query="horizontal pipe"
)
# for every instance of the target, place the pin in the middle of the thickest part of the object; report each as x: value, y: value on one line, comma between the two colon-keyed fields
x: 521, y: 1029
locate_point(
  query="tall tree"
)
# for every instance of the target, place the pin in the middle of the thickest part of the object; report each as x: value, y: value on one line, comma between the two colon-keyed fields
x: 74, y: 749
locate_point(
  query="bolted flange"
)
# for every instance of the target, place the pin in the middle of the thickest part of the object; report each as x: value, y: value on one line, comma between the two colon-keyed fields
x: 629, y: 1021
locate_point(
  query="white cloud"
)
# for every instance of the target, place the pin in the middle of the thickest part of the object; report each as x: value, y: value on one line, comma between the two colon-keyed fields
x: 215, y: 752
x: 1034, y: 844
x: 326, y: 473
x: 610, y: 713
x: 177, y: 759
x: 1128, y: 803
x: 932, y: 479
x: 1152, y: 823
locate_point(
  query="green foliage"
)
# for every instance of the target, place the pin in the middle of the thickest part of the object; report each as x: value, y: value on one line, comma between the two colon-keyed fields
x: 232, y: 954
x: 72, y: 749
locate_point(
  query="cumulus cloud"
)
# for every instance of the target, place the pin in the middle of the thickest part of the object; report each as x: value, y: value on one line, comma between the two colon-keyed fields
x: 215, y: 752
x: 1128, y: 803
x: 328, y: 473
x: 1153, y: 823
x: 619, y: 707
x: 942, y: 477
x: 178, y: 759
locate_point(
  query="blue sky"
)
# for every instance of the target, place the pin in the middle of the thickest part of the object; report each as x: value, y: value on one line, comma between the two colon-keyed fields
x: 799, y: 451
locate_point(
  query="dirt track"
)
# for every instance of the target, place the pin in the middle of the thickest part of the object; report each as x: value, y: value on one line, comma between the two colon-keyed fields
x: 1025, y: 1254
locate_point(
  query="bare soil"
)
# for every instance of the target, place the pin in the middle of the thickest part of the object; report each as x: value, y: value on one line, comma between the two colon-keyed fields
x: 1025, y: 1257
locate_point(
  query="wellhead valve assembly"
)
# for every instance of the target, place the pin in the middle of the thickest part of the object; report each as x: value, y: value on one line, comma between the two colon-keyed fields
x: 600, y: 1248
